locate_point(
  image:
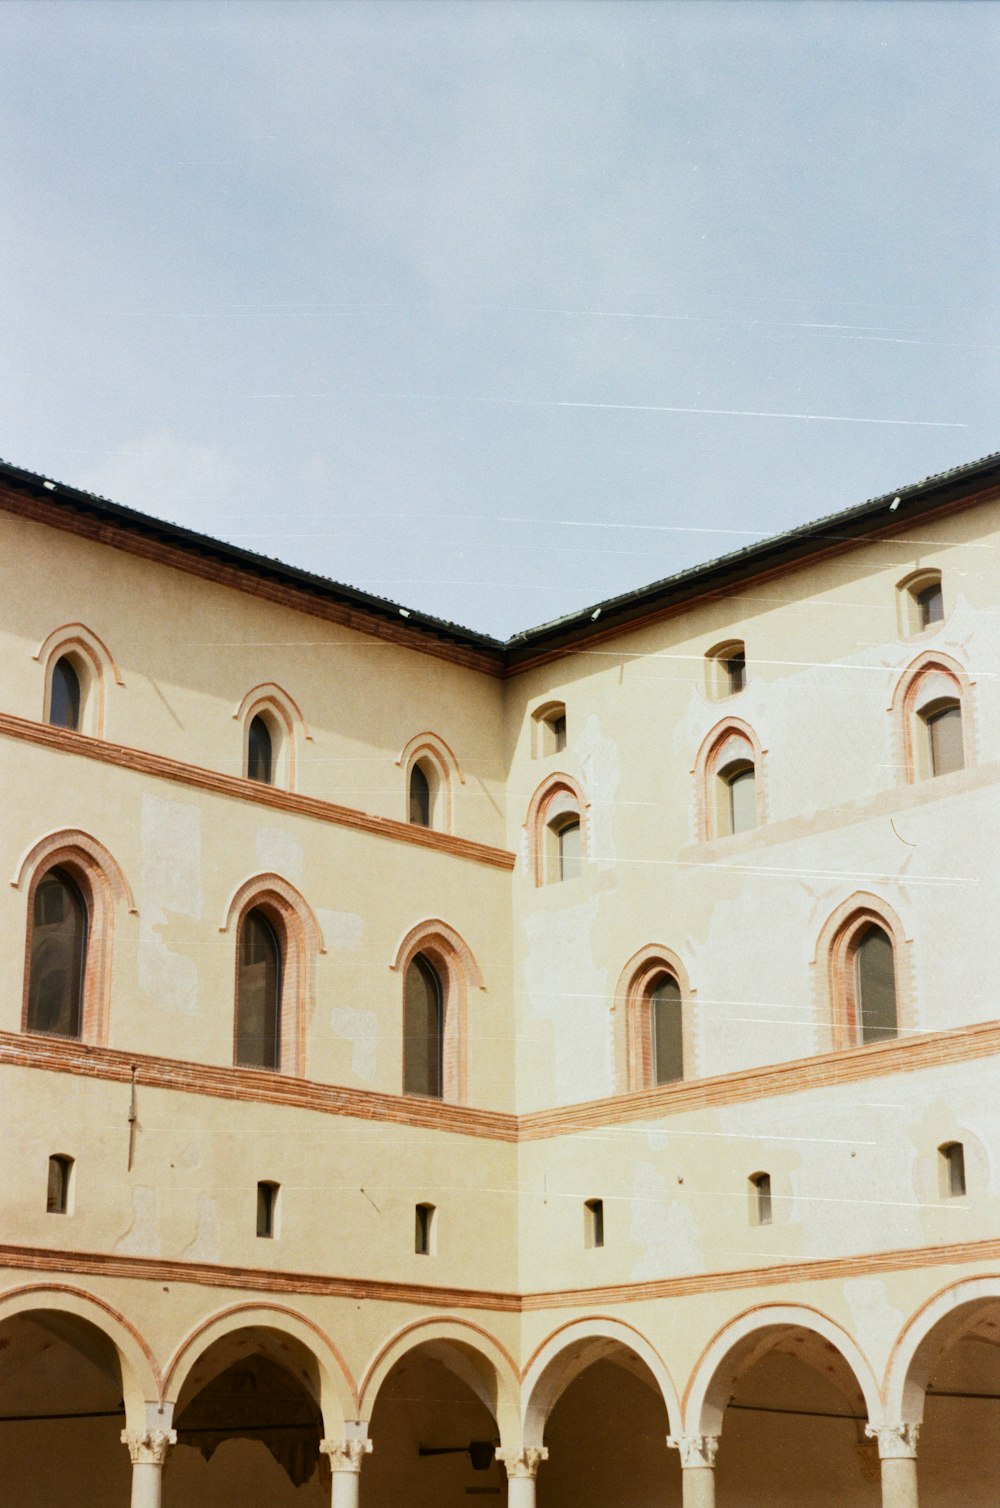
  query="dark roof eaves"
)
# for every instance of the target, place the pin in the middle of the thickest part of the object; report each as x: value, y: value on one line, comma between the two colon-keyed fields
x: 722, y: 573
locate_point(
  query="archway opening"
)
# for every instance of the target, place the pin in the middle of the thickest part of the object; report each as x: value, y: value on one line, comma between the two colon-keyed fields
x: 61, y: 1413
x: 958, y: 1455
x: 434, y: 1432
x: 793, y: 1430
x: 606, y: 1431
x: 249, y: 1426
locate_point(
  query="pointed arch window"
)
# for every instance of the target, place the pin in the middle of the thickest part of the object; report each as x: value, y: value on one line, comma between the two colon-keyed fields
x: 260, y: 751
x: 258, y: 993
x: 57, y: 956
x: 65, y: 695
x: 423, y: 1029
x: 875, y: 985
x: 728, y: 772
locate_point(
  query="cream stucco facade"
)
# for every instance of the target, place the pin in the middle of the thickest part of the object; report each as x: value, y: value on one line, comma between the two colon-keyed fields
x: 705, y: 885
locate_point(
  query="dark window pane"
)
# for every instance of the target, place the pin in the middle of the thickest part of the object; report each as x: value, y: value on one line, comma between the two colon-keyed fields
x: 876, y: 986
x: 762, y: 1185
x: 558, y: 726
x: 930, y: 605
x: 423, y: 1027
x: 945, y: 731
x: 420, y: 798
x: 64, y: 703
x: 258, y: 995
x: 58, y: 957
x: 736, y: 670
x: 259, y: 752
x: 267, y: 1198
x: 955, y: 1155
x: 668, y: 1045
x: 57, y: 1193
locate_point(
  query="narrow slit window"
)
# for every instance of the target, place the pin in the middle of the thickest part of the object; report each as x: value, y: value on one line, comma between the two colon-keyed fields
x: 558, y: 733
x: 267, y: 1209
x: 423, y: 1030
x: 57, y: 1196
x: 875, y: 984
x: 258, y: 994
x: 260, y: 752
x: 423, y: 1238
x: 760, y: 1199
x: 58, y: 954
x: 66, y: 695
x: 952, y: 1156
x: 593, y: 1223
x: 735, y: 670
x: 666, y: 1027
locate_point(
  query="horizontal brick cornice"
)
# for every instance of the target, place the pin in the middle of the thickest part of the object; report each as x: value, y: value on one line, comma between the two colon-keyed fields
x: 265, y: 1280
x: 235, y: 786
x: 254, y: 1086
x: 250, y: 1085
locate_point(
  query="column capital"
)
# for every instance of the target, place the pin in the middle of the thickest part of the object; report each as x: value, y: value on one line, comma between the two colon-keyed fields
x: 696, y: 1450
x: 896, y: 1442
x: 346, y: 1455
x: 148, y: 1447
x: 524, y: 1462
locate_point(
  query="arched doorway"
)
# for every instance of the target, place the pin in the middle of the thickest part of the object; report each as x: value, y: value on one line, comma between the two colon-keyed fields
x: 249, y: 1424
x: 947, y: 1379
x: 597, y: 1398
x: 61, y: 1413
x: 789, y: 1396
x: 435, y: 1424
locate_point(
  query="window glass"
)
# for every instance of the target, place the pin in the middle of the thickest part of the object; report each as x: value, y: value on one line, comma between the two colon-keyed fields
x: 58, y: 956
x: 944, y: 729
x: 64, y: 701
x: 260, y: 752
x: 568, y: 837
x: 876, y: 986
x: 930, y: 605
x: 423, y: 1027
x: 258, y: 994
x: 742, y: 800
x: 420, y: 797
x: 668, y: 1045
x: 735, y: 668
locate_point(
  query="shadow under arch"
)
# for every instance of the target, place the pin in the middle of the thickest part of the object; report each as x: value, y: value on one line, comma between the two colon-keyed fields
x: 573, y: 1348
x: 750, y: 1336
x: 468, y: 1351
x: 101, y: 1334
x: 290, y: 1340
x: 944, y: 1319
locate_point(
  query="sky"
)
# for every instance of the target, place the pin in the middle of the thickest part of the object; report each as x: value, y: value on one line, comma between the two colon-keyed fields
x: 498, y: 309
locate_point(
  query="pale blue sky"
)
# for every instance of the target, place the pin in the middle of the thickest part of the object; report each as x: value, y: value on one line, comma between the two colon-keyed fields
x: 498, y: 309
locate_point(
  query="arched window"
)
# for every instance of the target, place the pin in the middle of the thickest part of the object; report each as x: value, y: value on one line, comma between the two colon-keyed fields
x: 422, y: 793
x: 945, y: 748
x: 65, y: 695
x: 423, y: 1029
x: 258, y: 993
x: 548, y: 729
x: 557, y: 834
x: 727, y: 771
x: 57, y: 956
x: 666, y: 1028
x: 875, y: 985
x: 921, y: 602
x: 260, y: 751
x: 738, y: 797
x: 726, y: 669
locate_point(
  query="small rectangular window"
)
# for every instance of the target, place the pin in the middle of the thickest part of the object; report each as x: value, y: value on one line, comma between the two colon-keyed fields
x: 58, y: 1192
x: 930, y: 605
x: 593, y: 1223
x: 953, y: 1170
x: 760, y: 1199
x: 423, y: 1241
x: 559, y: 733
x: 736, y: 671
x: 267, y: 1210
